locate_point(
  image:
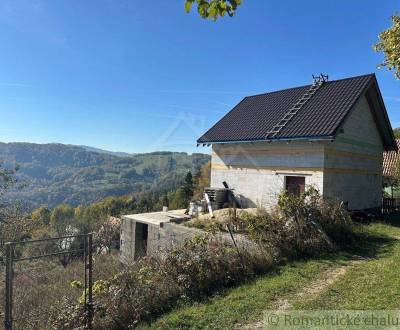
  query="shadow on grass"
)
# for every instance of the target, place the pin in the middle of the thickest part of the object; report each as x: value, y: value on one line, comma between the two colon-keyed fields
x: 392, y: 219
x: 373, y: 245
x: 365, y: 245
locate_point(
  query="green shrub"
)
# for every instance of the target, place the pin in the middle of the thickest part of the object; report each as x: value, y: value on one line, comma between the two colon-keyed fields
x: 150, y: 286
x: 204, y: 264
x: 138, y: 292
x: 336, y: 222
x: 301, y: 226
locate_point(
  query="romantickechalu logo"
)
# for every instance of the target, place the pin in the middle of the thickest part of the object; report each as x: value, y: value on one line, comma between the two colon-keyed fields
x: 332, y: 319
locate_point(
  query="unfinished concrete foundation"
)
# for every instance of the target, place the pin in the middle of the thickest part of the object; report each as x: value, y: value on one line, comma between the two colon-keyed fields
x: 152, y: 233
x: 164, y: 231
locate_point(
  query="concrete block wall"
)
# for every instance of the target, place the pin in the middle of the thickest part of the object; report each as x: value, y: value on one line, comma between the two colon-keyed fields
x: 163, y: 238
x: 127, y: 239
x: 257, y: 171
x: 349, y: 168
x: 358, y: 190
x: 153, y: 239
x: 353, y: 162
x: 159, y: 240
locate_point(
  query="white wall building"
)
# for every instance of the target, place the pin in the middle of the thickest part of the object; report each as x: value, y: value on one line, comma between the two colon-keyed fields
x: 331, y: 135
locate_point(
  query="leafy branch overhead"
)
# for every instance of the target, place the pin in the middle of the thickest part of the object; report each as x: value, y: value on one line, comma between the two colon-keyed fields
x: 213, y: 9
x: 389, y: 44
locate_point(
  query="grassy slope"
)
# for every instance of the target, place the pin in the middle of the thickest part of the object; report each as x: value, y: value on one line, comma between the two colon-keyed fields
x: 372, y: 284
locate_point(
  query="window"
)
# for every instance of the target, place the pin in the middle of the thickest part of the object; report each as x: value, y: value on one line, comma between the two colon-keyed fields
x: 295, y: 184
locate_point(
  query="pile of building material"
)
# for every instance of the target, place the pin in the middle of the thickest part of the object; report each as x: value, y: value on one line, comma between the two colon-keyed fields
x: 149, y: 233
x: 224, y: 215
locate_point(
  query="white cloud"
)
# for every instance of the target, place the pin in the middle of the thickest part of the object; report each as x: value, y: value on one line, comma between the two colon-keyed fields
x: 6, y: 84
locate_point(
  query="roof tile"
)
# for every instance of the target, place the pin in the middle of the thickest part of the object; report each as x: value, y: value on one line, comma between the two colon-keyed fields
x: 256, y: 115
x: 390, y: 160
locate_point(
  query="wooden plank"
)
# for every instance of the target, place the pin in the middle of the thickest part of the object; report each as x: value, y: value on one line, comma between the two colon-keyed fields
x: 209, y: 205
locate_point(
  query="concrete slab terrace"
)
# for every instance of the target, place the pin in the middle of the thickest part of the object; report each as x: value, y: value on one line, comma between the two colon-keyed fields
x: 156, y: 218
x: 147, y: 233
x: 155, y: 233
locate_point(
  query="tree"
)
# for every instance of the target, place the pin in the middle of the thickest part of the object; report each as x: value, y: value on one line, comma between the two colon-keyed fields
x: 7, y: 177
x: 177, y: 199
x: 62, y: 219
x: 188, y: 187
x: 11, y: 225
x: 213, y: 9
x: 41, y: 215
x: 389, y: 44
x: 396, y: 132
x: 180, y: 198
x: 202, y: 180
x: 7, y: 180
x: 107, y: 238
x: 93, y: 217
x: 164, y: 200
x: 15, y: 225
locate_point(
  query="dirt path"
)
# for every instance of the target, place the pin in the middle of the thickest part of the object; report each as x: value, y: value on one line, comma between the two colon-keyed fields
x: 326, y: 279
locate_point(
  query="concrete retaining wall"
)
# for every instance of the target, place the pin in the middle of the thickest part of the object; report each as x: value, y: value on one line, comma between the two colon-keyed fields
x: 163, y: 238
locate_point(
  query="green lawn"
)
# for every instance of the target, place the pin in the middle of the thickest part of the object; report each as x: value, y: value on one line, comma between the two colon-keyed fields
x: 370, y: 284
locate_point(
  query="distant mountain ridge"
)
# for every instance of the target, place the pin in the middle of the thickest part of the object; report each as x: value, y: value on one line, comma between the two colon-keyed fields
x: 108, y: 152
x: 58, y: 173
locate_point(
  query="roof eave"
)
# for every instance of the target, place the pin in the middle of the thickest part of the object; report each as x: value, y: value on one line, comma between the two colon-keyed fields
x: 287, y: 139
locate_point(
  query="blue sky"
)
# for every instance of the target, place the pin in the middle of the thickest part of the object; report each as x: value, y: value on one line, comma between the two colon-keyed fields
x: 139, y: 76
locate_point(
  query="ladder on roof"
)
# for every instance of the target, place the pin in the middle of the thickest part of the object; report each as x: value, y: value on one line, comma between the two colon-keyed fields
x: 317, y: 83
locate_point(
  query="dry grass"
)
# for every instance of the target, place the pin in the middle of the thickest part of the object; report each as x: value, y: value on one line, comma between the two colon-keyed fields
x: 40, y: 285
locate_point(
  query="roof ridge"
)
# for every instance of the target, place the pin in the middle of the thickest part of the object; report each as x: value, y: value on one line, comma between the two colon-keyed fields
x: 280, y: 90
x: 304, y: 86
x: 353, y: 77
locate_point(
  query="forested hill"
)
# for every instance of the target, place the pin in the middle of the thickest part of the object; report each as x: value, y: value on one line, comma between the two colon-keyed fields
x: 57, y: 173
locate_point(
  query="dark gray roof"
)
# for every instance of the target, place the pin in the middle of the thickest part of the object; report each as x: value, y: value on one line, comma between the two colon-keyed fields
x: 321, y: 116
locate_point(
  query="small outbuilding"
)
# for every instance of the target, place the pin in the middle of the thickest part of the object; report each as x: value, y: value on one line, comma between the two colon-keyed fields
x: 330, y: 134
x: 151, y: 233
